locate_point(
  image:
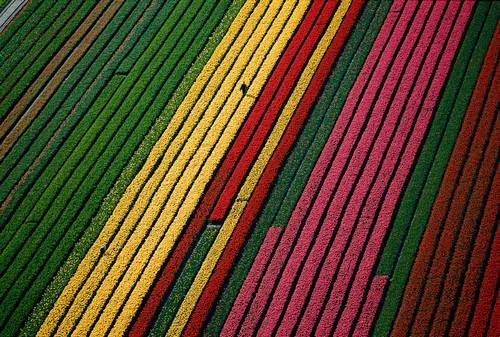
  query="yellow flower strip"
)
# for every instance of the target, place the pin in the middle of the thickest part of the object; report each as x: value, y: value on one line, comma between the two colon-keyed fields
x: 220, y: 61
x: 133, y: 241
x: 187, y: 206
x: 189, y: 148
x: 246, y: 190
x: 32, y: 111
x: 218, y: 129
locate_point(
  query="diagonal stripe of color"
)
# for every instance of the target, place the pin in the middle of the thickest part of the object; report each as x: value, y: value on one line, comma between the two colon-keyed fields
x: 249, y: 168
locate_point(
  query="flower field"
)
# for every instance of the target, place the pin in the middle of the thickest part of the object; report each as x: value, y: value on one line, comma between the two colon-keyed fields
x: 249, y: 167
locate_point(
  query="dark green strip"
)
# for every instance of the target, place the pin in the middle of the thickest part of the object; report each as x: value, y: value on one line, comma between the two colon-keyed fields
x: 63, y: 201
x: 89, y: 131
x: 3, y: 4
x: 30, y: 21
x: 22, y: 310
x: 106, y: 207
x: 22, y: 67
x: 299, y: 164
x: 73, y: 99
x: 183, y: 282
x: 28, y: 17
x: 424, y: 183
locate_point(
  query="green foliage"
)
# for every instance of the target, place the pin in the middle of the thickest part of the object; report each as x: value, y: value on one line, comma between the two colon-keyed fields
x: 28, y: 21
x: 82, y: 205
x: 29, y: 58
x: 70, y: 103
x: 117, y: 22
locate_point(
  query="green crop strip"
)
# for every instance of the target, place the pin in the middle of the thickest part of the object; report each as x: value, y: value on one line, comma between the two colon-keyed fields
x: 116, y: 22
x: 23, y: 25
x: 55, y: 218
x: 90, y: 159
x: 44, y: 32
x: 300, y: 162
x: 416, y: 204
x: 183, y: 282
x: 24, y: 65
x: 3, y: 4
x: 125, y: 97
x: 106, y: 207
x: 45, y: 134
x: 116, y: 43
x: 29, y: 21
x: 74, y: 98
x: 21, y: 291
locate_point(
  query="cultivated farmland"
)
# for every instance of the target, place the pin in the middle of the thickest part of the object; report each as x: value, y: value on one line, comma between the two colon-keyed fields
x: 249, y: 167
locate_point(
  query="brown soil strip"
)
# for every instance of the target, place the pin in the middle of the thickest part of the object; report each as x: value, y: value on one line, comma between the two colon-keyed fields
x: 24, y: 116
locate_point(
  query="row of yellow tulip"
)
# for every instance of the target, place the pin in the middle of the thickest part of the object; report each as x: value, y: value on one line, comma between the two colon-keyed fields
x: 127, y: 203
x: 251, y: 181
x: 193, y: 183
x: 123, y: 247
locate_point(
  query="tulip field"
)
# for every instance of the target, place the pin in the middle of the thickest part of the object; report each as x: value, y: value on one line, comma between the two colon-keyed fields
x: 249, y: 168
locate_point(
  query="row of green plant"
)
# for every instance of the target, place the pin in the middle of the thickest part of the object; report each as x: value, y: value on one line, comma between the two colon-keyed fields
x: 91, y: 191
x: 118, y: 50
x: 183, y: 282
x: 416, y: 203
x: 107, y: 205
x: 71, y: 106
x: 3, y: 4
x: 28, y: 21
x: 23, y: 24
x: 112, y: 123
x: 19, y: 70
